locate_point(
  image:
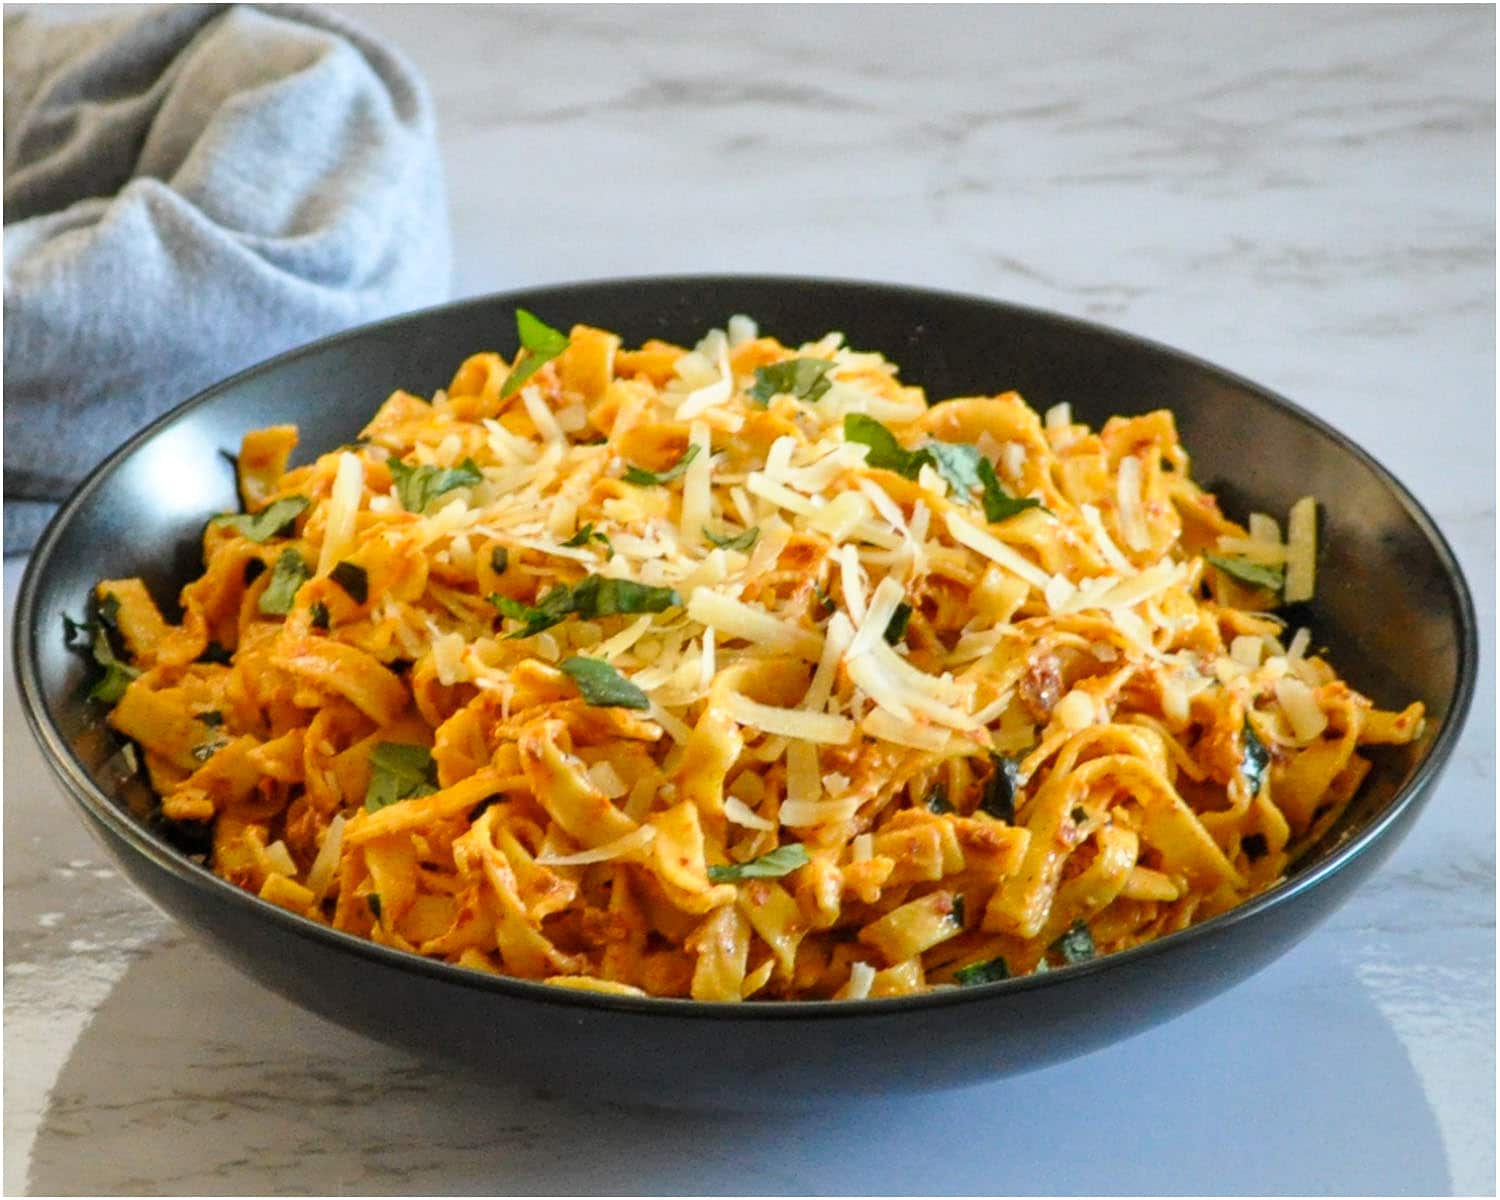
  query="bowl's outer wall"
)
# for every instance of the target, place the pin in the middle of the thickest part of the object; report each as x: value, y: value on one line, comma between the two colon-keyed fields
x: 752, y: 1060
x: 1395, y: 618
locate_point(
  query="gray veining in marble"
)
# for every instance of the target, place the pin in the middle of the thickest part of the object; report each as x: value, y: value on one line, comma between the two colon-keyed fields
x: 1304, y: 195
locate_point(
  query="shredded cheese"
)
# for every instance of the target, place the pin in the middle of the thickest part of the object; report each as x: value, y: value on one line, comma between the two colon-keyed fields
x: 1301, y: 551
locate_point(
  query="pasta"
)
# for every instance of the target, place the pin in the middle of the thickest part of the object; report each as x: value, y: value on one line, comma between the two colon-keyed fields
x: 739, y: 672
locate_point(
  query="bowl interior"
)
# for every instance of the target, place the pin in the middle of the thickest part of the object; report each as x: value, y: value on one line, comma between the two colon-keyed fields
x: 1391, y: 604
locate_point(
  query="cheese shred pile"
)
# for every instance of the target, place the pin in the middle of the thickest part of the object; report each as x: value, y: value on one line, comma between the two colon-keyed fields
x: 739, y: 671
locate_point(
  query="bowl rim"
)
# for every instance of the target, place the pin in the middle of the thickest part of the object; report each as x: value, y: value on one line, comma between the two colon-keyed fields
x: 96, y: 805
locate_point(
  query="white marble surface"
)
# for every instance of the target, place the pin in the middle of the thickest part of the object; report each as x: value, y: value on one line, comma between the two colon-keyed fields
x: 1305, y: 196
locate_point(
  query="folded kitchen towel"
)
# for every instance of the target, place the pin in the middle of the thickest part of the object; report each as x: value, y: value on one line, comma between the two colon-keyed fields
x: 189, y: 190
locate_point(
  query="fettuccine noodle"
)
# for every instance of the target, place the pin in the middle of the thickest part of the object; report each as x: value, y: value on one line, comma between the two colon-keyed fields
x: 741, y: 672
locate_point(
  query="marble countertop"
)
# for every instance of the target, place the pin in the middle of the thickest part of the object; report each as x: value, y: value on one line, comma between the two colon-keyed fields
x: 1305, y: 196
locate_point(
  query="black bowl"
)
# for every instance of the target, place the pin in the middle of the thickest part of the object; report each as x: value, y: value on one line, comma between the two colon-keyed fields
x: 1392, y: 606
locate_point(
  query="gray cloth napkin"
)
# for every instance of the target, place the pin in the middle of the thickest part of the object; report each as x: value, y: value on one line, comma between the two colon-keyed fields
x: 189, y: 190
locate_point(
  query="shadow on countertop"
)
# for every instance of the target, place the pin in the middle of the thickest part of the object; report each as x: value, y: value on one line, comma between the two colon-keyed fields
x: 190, y: 1079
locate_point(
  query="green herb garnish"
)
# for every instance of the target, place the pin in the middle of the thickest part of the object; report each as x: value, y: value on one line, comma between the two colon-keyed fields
x: 958, y: 464
x: 1255, y: 759
x: 1000, y: 505
x: 643, y: 478
x: 207, y: 750
x: 999, y: 797
x: 586, y: 534
x: 1075, y: 946
x: 804, y: 378
x: 418, y: 487
x: 94, y: 640
x: 353, y: 579
x: 592, y: 597
x: 734, y: 541
x: 602, y: 686
x: 399, y: 771
x: 541, y: 344
x: 773, y: 865
x: 982, y: 972
x: 262, y: 526
x: 886, y: 453
x: 895, y: 628
x: 289, y: 574
x: 1255, y: 574
x: 961, y: 465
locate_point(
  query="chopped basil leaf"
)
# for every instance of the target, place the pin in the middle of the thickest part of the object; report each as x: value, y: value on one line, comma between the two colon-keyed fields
x: 602, y: 686
x: 319, y: 614
x: 353, y: 579
x: 886, y: 453
x: 643, y: 478
x: 373, y: 900
x: 418, y: 487
x: 536, y: 617
x: 94, y: 640
x: 289, y: 574
x: 959, y: 465
x: 586, y: 533
x: 1075, y: 946
x: 999, y: 797
x: 1255, y: 759
x: 734, y: 541
x: 772, y: 865
x: 399, y: 771
x: 542, y: 344
x: 499, y: 560
x: 963, y: 466
x: 1000, y: 505
x: 937, y: 799
x: 109, y: 610
x: 982, y: 972
x: 966, y: 469
x: 117, y: 675
x: 1255, y: 574
x: 213, y: 718
x: 269, y: 521
x: 804, y: 378
x: 116, y: 678
x: 592, y: 597
x: 895, y: 628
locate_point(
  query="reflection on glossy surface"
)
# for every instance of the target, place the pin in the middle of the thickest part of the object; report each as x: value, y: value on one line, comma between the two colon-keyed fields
x: 232, y: 1075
